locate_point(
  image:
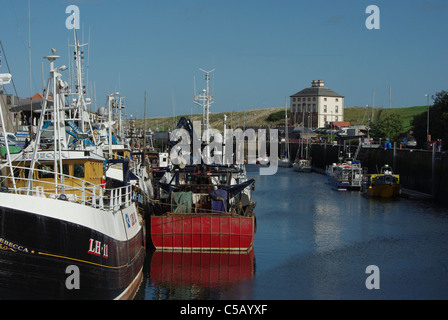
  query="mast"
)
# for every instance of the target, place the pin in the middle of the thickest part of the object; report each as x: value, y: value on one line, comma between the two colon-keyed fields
x: 204, y: 100
x: 144, y: 133
x: 6, y: 79
x: 29, y: 58
x: 390, y: 97
x: 286, y: 128
x: 81, y: 113
x: 58, y: 116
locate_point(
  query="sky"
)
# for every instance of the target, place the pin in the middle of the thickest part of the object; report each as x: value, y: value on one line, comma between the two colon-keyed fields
x: 262, y: 51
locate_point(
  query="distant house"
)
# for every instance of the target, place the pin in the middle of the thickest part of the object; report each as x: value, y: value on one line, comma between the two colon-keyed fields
x: 340, y: 124
x: 317, y: 106
x: 11, y: 120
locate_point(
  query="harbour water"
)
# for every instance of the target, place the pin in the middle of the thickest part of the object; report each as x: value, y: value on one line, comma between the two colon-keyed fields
x: 313, y: 242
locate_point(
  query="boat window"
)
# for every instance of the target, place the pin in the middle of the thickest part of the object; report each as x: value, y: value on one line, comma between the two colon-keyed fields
x: 222, y: 179
x: 78, y: 170
x: 16, y: 172
x: 25, y: 173
x: 65, y: 169
x: 46, y: 172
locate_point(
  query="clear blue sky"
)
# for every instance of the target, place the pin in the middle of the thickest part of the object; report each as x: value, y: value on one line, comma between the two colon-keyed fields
x: 263, y: 50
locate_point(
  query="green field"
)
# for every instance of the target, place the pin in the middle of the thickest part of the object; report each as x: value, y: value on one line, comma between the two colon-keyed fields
x: 356, y: 114
x: 255, y: 117
x: 270, y: 117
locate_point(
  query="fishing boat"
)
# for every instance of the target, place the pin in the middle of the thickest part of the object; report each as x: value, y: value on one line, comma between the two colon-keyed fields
x: 63, y: 234
x: 386, y: 184
x: 203, y: 207
x: 117, y: 147
x: 347, y: 176
x: 331, y: 171
x: 302, y: 165
x: 209, y: 209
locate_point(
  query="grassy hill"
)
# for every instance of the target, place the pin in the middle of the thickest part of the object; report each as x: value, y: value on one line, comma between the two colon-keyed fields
x: 270, y: 117
x: 356, y: 114
x: 255, y: 117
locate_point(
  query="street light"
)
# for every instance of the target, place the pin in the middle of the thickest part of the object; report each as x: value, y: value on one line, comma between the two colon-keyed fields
x: 427, y: 119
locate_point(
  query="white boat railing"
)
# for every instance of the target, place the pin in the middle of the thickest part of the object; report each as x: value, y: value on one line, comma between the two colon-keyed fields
x: 74, y: 190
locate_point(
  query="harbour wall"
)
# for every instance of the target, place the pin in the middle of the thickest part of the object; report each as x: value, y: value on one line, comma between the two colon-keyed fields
x: 420, y: 170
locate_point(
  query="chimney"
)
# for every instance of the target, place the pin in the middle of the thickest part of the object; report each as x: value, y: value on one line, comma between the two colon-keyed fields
x: 320, y: 83
x: 314, y: 83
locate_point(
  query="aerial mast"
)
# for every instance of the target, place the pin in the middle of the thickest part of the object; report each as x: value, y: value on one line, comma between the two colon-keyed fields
x: 80, y: 92
x: 204, y: 100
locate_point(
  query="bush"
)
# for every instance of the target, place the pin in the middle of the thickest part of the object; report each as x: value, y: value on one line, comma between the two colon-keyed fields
x: 277, y: 116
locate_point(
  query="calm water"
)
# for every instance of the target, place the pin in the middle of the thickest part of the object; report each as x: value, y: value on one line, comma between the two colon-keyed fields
x: 313, y: 242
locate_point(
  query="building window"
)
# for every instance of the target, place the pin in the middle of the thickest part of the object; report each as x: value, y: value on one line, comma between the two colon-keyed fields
x: 337, y: 108
x: 314, y: 107
x: 314, y: 98
x: 293, y: 99
x: 298, y: 99
x: 325, y: 108
x: 325, y: 99
x: 336, y: 118
x: 309, y: 107
x: 337, y: 99
x: 325, y: 119
x: 309, y: 99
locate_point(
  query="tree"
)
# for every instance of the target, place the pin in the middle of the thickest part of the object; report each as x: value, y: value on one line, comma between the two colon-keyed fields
x: 438, y: 120
x: 390, y: 127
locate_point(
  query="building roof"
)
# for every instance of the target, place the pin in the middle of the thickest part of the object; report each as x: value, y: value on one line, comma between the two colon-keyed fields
x: 317, y: 90
x: 36, y: 96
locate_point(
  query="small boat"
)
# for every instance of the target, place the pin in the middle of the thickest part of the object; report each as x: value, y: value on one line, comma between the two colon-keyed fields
x: 284, y: 162
x: 263, y: 160
x: 347, y: 176
x: 386, y: 184
x: 330, y: 171
x: 303, y: 165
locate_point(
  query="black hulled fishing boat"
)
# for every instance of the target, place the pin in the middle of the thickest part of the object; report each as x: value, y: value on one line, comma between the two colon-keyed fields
x: 63, y: 233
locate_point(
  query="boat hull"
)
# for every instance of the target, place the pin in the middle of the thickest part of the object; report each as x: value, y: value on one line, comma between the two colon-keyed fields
x: 186, y: 232
x: 43, y: 257
x: 284, y: 163
x: 383, y: 191
x: 305, y: 169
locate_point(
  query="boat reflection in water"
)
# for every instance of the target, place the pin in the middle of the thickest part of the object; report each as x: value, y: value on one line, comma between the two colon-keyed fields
x: 198, y: 275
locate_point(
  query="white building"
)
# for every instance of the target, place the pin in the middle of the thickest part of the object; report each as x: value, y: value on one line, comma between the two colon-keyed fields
x: 317, y: 106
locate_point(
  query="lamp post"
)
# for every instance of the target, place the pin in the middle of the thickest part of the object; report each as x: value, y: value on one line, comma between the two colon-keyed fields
x: 427, y: 119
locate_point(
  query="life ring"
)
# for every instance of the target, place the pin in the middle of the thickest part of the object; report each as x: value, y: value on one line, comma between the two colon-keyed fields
x: 103, y: 182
